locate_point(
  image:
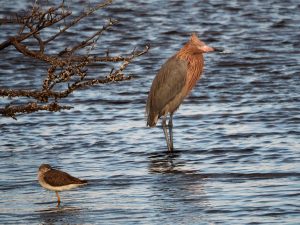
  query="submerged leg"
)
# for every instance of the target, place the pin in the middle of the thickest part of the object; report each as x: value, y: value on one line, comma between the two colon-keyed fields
x: 164, y: 126
x: 58, y: 198
x: 170, y: 124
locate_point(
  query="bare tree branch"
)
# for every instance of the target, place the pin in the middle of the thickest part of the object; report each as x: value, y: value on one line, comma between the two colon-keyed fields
x: 67, y: 69
x: 31, y: 107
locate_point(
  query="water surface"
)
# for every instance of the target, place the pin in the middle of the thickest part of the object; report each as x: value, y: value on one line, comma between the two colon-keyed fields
x: 237, y: 136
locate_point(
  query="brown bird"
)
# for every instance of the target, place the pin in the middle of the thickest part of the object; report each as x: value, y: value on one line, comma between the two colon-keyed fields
x: 174, y: 81
x: 56, y: 180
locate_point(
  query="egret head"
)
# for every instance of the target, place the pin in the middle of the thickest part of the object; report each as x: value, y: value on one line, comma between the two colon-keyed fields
x: 198, y: 46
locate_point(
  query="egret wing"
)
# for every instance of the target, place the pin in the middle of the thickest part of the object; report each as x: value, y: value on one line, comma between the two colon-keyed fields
x: 168, y: 83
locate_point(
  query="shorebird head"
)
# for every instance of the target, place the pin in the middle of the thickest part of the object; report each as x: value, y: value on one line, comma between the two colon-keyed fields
x: 44, y: 168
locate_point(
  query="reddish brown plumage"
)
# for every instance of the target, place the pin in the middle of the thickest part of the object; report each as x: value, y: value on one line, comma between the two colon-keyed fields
x: 176, y: 78
x: 194, y: 71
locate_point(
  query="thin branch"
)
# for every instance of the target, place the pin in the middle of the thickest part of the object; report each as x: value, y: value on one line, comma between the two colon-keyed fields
x: 43, y: 24
x: 109, y: 58
x: 44, y: 95
x: 34, y: 54
x: 87, y: 42
x: 31, y: 107
x: 76, y: 20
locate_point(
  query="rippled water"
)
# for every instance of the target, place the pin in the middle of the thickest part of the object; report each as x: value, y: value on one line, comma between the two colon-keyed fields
x: 237, y: 136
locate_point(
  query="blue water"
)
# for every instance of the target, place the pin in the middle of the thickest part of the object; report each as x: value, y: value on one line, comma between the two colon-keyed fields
x: 236, y: 137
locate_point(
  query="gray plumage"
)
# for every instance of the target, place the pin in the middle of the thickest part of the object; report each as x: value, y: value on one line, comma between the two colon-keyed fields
x: 162, y: 91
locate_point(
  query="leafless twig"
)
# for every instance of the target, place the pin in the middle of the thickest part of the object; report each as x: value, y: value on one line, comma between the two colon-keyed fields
x: 67, y: 66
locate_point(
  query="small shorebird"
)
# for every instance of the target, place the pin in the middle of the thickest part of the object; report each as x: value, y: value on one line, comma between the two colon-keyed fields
x: 56, y: 180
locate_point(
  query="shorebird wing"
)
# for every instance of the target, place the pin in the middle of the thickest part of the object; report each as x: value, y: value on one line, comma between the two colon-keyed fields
x: 59, y: 178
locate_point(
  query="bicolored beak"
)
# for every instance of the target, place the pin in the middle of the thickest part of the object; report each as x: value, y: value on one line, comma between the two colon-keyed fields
x: 206, y: 48
x: 219, y: 49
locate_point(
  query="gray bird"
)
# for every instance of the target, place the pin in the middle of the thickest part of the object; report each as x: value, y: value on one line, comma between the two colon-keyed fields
x: 174, y: 81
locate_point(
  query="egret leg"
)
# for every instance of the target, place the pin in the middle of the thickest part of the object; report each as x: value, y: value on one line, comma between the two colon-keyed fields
x: 164, y: 126
x: 58, y: 198
x: 170, y: 124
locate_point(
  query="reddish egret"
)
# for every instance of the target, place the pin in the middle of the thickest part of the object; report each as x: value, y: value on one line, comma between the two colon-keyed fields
x: 175, y: 79
x: 56, y: 180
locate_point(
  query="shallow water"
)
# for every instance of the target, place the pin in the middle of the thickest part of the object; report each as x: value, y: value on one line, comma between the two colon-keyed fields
x: 237, y: 136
